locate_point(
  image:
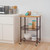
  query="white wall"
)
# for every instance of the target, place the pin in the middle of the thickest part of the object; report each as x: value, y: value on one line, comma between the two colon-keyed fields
x: 41, y: 6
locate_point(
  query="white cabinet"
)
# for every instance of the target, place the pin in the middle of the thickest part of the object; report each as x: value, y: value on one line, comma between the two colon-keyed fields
x: 6, y: 20
x: 8, y: 32
x: 0, y: 31
x: 9, y: 28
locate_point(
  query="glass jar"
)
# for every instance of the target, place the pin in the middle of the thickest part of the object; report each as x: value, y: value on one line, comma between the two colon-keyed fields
x: 33, y: 24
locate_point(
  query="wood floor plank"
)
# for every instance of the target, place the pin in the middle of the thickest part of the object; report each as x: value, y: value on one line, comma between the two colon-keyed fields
x: 25, y: 46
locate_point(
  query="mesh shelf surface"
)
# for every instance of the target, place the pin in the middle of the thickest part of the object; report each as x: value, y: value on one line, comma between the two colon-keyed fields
x: 29, y: 29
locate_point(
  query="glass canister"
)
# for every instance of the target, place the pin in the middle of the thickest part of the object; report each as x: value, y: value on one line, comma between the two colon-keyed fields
x: 14, y: 9
x: 10, y: 11
x: 33, y: 24
x: 28, y: 13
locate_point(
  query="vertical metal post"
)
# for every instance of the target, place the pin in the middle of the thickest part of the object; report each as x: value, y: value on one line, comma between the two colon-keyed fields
x: 24, y: 24
x: 37, y: 30
x: 20, y: 29
x: 40, y: 29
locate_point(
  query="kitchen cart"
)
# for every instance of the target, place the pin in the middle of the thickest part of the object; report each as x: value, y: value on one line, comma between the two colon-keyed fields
x: 25, y: 28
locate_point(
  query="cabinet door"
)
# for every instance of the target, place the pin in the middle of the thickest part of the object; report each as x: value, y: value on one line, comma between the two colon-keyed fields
x: 8, y: 32
x: 6, y: 19
x: 0, y: 32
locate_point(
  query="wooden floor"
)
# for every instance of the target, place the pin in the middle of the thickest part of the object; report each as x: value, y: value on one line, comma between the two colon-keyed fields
x: 25, y: 46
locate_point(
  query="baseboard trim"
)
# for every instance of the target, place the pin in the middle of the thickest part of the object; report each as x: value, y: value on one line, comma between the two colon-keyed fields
x: 15, y: 41
x: 45, y: 40
x: 6, y: 41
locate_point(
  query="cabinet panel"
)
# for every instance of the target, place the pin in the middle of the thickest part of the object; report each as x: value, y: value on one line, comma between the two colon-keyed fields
x: 0, y: 32
x: 8, y: 32
x: 6, y: 20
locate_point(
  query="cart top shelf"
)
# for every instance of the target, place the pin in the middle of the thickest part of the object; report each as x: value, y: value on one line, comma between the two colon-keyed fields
x: 28, y: 16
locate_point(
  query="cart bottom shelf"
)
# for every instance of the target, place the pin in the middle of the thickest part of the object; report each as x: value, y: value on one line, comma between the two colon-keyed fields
x: 30, y: 40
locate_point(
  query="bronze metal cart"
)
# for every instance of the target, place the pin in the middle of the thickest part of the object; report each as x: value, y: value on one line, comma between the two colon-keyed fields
x: 26, y: 28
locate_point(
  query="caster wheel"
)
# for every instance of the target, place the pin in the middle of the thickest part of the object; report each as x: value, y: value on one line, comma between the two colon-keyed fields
x: 20, y: 43
x: 24, y: 40
x: 36, y: 44
x: 39, y: 41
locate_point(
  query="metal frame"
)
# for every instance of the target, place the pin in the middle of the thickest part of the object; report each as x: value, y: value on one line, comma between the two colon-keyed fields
x: 36, y: 30
x: 40, y: 28
x: 24, y: 24
x: 20, y: 30
x: 37, y: 40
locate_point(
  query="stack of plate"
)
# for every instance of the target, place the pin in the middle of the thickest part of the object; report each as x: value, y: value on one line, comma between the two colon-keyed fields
x: 27, y: 36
